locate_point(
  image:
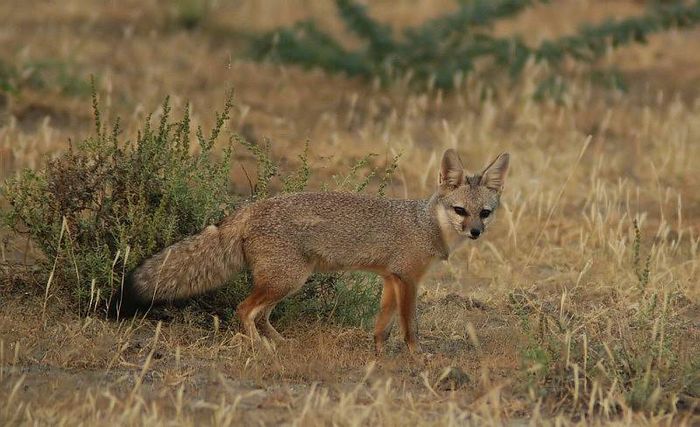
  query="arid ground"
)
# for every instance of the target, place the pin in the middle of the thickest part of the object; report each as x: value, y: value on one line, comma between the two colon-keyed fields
x: 554, y: 317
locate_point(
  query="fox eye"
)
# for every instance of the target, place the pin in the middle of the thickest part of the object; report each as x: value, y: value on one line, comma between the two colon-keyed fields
x: 460, y: 210
x: 485, y: 213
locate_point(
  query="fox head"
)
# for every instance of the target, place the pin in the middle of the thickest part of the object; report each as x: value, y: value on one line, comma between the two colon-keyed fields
x: 465, y: 204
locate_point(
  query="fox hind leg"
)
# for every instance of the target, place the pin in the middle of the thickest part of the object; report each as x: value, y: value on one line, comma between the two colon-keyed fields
x: 266, y: 328
x: 249, y: 310
x: 272, y: 282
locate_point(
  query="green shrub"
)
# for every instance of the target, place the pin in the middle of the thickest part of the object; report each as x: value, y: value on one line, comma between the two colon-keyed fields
x: 442, y: 49
x: 103, y: 205
x: 100, y: 208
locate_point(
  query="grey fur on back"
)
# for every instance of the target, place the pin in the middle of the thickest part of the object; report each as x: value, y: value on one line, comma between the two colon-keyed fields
x: 337, y: 231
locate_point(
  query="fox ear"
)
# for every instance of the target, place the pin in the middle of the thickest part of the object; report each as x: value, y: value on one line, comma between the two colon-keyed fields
x: 451, y: 171
x: 494, y: 176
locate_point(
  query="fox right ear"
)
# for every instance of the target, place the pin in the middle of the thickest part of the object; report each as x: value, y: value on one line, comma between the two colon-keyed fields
x: 451, y: 171
x: 494, y: 176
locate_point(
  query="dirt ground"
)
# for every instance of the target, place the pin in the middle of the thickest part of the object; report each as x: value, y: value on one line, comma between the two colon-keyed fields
x: 542, y: 322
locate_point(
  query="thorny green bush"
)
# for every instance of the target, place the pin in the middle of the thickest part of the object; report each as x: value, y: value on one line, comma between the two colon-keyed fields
x: 442, y: 50
x: 97, y: 210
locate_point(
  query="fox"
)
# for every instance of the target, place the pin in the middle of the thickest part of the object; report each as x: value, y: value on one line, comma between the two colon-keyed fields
x: 282, y: 240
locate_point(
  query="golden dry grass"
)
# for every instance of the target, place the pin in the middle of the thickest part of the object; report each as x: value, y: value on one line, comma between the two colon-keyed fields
x: 556, y: 269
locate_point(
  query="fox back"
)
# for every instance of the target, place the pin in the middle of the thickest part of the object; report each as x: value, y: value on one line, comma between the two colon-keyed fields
x: 339, y: 231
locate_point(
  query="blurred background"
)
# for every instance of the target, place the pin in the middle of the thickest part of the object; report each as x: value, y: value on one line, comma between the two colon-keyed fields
x: 195, y: 50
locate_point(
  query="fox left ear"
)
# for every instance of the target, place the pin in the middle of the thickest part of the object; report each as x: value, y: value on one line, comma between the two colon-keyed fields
x: 494, y: 176
x: 451, y: 173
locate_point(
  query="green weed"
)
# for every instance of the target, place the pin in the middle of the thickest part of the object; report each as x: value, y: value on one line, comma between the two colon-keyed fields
x: 118, y: 201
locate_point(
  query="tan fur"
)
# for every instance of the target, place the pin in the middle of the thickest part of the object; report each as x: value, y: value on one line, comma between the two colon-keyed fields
x: 285, y: 238
x: 194, y: 265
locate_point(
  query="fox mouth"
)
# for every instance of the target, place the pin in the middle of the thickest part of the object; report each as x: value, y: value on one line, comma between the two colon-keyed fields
x: 472, y: 237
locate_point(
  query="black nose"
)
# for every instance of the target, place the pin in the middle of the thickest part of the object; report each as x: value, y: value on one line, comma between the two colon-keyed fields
x: 475, y: 232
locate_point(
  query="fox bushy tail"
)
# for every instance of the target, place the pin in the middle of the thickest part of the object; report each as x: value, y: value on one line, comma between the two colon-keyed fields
x: 192, y: 266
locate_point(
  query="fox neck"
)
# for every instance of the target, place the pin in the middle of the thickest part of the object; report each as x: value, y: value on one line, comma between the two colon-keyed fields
x: 450, y: 237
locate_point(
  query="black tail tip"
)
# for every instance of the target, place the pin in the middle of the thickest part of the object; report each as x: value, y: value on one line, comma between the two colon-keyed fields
x: 125, y: 302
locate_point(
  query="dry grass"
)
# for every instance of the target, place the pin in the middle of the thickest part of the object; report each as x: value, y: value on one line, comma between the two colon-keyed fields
x: 545, y: 320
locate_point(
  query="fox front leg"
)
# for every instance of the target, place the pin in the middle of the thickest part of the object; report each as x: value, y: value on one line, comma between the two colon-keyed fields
x: 406, y: 294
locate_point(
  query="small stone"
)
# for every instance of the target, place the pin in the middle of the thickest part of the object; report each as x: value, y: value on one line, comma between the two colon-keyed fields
x: 454, y: 379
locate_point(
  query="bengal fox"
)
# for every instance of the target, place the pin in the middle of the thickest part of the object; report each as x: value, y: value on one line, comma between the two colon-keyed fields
x: 284, y: 239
